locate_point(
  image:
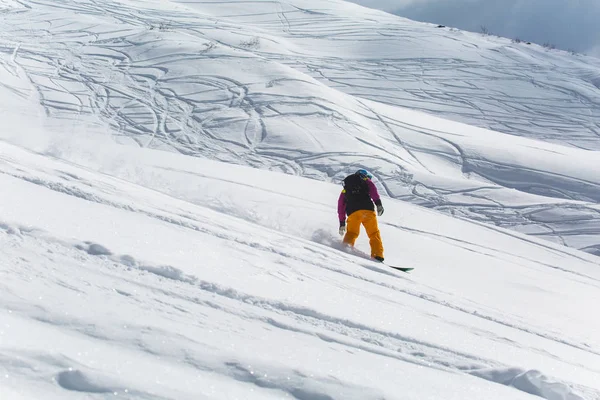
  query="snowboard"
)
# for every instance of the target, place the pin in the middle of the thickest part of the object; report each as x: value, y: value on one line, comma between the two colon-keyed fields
x: 403, y: 269
x: 359, y: 253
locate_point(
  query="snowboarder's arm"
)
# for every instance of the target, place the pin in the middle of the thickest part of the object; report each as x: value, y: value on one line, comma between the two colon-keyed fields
x: 342, y: 207
x: 373, y: 193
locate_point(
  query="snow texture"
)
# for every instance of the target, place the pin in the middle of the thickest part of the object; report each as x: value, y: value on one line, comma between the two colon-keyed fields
x: 264, y: 84
x: 169, y: 172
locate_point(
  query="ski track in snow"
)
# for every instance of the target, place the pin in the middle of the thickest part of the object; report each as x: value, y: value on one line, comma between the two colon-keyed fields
x: 130, y: 67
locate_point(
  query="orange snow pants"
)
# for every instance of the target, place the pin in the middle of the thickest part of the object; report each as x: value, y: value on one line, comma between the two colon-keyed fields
x: 369, y: 220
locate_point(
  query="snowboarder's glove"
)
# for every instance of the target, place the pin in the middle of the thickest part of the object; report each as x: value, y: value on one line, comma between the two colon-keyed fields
x: 342, y: 228
x: 379, y: 207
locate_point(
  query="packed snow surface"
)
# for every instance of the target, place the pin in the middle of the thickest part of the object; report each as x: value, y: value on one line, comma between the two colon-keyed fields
x: 204, y: 262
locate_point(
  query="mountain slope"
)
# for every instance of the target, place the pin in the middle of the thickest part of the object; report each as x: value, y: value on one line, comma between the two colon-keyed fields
x: 204, y: 298
x: 284, y: 86
x: 483, y: 81
x: 173, y: 270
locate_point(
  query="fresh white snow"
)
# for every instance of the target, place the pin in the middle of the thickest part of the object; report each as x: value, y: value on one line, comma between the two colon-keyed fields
x: 204, y: 261
x: 290, y: 86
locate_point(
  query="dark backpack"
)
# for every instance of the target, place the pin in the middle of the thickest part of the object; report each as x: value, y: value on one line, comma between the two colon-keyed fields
x: 355, y: 185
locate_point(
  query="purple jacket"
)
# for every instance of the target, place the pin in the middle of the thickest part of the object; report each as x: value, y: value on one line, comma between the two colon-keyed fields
x: 373, y: 194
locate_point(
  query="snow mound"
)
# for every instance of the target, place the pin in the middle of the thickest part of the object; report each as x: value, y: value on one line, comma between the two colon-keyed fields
x: 529, y: 381
x: 79, y: 381
x: 95, y: 249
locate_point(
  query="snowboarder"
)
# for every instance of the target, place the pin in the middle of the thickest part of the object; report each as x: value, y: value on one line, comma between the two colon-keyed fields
x: 356, y: 201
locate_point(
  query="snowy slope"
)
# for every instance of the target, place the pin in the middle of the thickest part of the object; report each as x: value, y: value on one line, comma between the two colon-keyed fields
x: 310, y: 87
x: 186, y: 274
x: 110, y: 287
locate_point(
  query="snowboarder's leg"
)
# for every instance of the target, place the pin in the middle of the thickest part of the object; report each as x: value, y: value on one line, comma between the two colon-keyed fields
x: 370, y: 223
x: 352, y: 227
